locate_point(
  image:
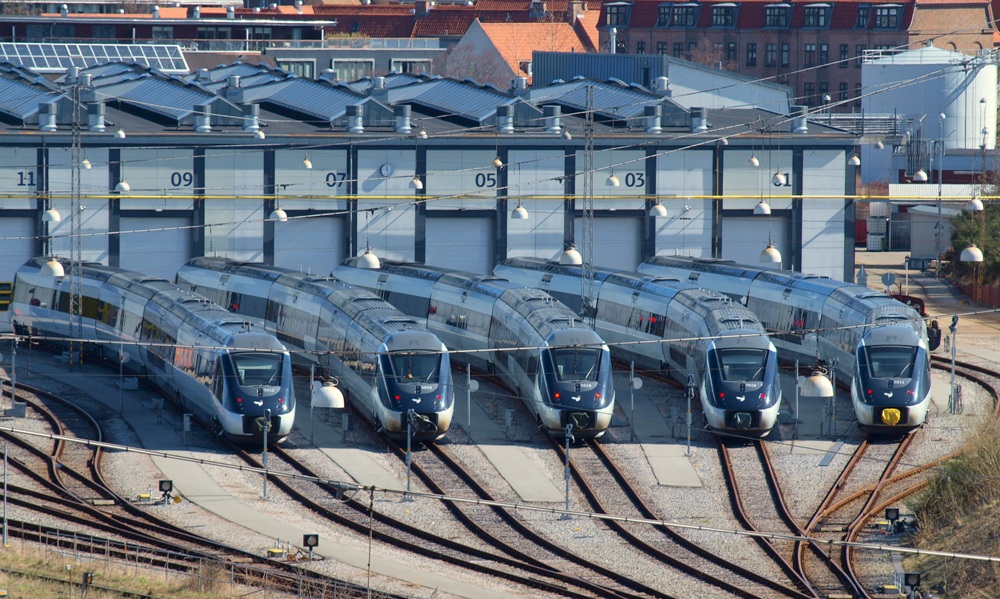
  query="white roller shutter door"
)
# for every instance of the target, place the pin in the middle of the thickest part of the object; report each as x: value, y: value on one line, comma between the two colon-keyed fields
x: 744, y: 238
x: 310, y: 245
x: 461, y: 243
x: 617, y: 242
x: 159, y: 248
x: 18, y: 245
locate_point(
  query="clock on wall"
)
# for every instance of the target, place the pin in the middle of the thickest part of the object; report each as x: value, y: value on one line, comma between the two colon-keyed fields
x: 386, y: 170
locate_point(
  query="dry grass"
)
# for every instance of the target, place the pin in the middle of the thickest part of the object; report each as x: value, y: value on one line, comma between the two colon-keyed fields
x: 957, y: 514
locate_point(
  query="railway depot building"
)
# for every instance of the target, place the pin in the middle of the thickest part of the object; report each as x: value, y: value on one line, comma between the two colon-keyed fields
x: 133, y: 167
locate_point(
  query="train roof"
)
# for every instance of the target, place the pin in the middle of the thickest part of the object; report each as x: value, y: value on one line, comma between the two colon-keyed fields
x: 553, y: 266
x: 710, y: 265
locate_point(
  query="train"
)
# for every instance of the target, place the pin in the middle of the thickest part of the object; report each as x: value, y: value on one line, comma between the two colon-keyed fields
x: 557, y: 365
x: 698, y: 337
x: 877, y: 342
x: 236, y: 378
x: 396, y: 373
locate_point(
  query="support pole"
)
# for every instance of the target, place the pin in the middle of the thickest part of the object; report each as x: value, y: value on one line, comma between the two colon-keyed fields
x: 569, y: 439
x: 267, y: 425
x: 952, y: 404
x: 409, y: 455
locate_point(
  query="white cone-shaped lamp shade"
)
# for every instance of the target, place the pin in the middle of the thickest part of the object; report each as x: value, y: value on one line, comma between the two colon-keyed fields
x: 123, y: 187
x: 571, y: 257
x: 519, y: 213
x: 86, y: 164
x: 657, y: 210
x: 817, y: 385
x: 259, y: 134
x: 972, y: 254
x: 854, y: 161
x: 51, y: 215
x: 497, y: 162
x: 753, y: 161
x: 920, y: 176
x: 416, y: 183
x: 53, y: 268
x: 770, y: 255
x: 422, y: 134
x: 613, y: 181
x: 326, y: 395
x: 879, y: 145
x: 762, y: 209
x: 120, y: 134
x: 369, y: 260
x: 307, y: 163
x: 779, y: 179
x: 567, y: 135
x: 279, y: 215
x: 975, y: 205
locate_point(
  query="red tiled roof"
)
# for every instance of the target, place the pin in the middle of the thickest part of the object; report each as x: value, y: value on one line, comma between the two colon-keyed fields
x: 516, y: 41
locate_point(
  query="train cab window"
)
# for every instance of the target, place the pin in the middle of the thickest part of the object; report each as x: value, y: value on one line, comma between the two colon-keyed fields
x: 742, y: 364
x: 415, y: 368
x: 576, y: 364
x: 257, y: 368
x: 891, y: 362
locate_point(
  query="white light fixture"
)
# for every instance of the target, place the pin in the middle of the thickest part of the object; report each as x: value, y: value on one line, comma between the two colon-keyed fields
x: 753, y: 161
x: 120, y: 134
x: 369, y: 260
x: 657, y: 210
x: 723, y: 141
x: 854, y: 161
x: 879, y: 145
x: 816, y: 385
x: 307, y: 163
x: 971, y: 254
x: 422, y: 134
x: 778, y: 179
x: 975, y: 205
x: 53, y: 268
x: 259, y: 134
x: 762, y: 208
x: 279, y: 215
x: 416, y: 183
x: 770, y: 255
x: 567, y: 135
x: 497, y: 162
x: 51, y: 215
x: 571, y: 257
x: 519, y: 213
x: 123, y: 187
x: 612, y: 181
x: 920, y: 176
x: 86, y: 164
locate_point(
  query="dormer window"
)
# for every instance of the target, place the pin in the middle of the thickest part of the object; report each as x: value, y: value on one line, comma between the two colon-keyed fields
x: 816, y: 15
x: 617, y: 13
x: 864, y: 12
x: 887, y: 16
x: 686, y: 15
x: 663, y: 16
x: 776, y: 15
x: 724, y: 15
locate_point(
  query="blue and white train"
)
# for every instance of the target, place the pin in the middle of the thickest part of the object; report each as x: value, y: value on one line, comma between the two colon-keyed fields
x: 559, y: 367
x: 397, y: 374
x: 696, y: 335
x: 879, y: 342
x: 195, y: 352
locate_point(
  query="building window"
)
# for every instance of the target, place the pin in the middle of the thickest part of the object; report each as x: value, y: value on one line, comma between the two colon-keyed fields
x: 259, y: 33
x: 663, y: 16
x: 692, y: 46
x: 810, y: 54
x: 302, y: 68
x: 617, y: 13
x: 809, y: 91
x: 864, y: 11
x: 887, y: 17
x: 731, y: 52
x: 859, y: 52
x: 751, y: 54
x: 824, y: 54
x: 824, y: 92
x: 723, y: 16
x: 785, y: 55
x: 843, y: 92
x: 414, y: 67
x: 661, y: 47
x: 215, y: 33
x: 815, y: 16
x: 352, y: 70
x: 845, y: 55
x: 770, y: 55
x: 163, y: 33
x: 776, y: 16
x: 678, y: 49
x: 684, y: 16
x: 640, y: 47
x: 62, y: 31
x: 103, y: 32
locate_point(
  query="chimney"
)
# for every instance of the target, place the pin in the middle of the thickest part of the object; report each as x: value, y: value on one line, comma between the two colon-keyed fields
x: 574, y: 12
x: 95, y: 116
x: 402, y: 114
x: 661, y: 85
x: 203, y: 118
x: 699, y: 120
x: 194, y: 12
x: 378, y: 83
x: 156, y: 12
x: 251, y: 117
x: 234, y: 80
x: 422, y: 8
x: 537, y: 9
x: 355, y: 118
x: 800, y: 122
x: 505, y: 118
x: 63, y: 10
x: 651, y: 114
x: 86, y: 79
x: 72, y: 75
x: 519, y: 84
x: 47, y: 117
x: 298, y: 6
x: 230, y: 12
x: 552, y: 114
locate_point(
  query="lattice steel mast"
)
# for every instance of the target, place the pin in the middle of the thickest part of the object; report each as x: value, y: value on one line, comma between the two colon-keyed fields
x: 587, y: 226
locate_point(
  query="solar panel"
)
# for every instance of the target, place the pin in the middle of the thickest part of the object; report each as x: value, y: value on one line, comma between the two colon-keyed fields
x: 56, y: 58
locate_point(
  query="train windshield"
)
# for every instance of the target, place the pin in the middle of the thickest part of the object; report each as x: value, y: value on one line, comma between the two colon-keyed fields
x: 891, y: 362
x: 742, y: 364
x: 254, y: 369
x: 415, y: 368
x: 576, y: 364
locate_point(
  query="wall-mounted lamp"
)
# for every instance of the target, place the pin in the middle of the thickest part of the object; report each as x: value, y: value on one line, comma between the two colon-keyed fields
x: 879, y: 145
x: 975, y: 205
x: 259, y: 134
x: 497, y: 162
x: 854, y: 161
x: 279, y: 215
x: 416, y: 183
x: 307, y: 163
x: 658, y: 210
x: 920, y: 176
x: 120, y: 134
x: 51, y: 216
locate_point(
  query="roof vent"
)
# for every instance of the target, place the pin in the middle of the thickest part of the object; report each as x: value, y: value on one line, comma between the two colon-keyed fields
x: 234, y: 81
x: 95, y: 115
x: 402, y: 114
x: 47, y: 117
x: 251, y: 117
x: 72, y: 74
x: 519, y: 83
x: 355, y: 118
x: 203, y: 119
x: 202, y: 75
x: 86, y: 79
x: 63, y: 10
x: 651, y: 115
x: 156, y: 12
x: 800, y: 122
x: 298, y: 6
x: 699, y: 120
x: 552, y: 114
x: 378, y: 83
x: 505, y: 118
x: 230, y: 12
x: 661, y: 85
x: 195, y: 12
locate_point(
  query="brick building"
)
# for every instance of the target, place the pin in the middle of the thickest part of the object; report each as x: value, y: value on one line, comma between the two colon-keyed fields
x: 817, y: 48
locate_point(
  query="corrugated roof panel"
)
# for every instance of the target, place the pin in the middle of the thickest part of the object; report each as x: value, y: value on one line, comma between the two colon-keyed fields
x: 452, y: 98
x: 21, y: 100
x: 305, y: 96
x: 610, y: 100
x: 165, y: 97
